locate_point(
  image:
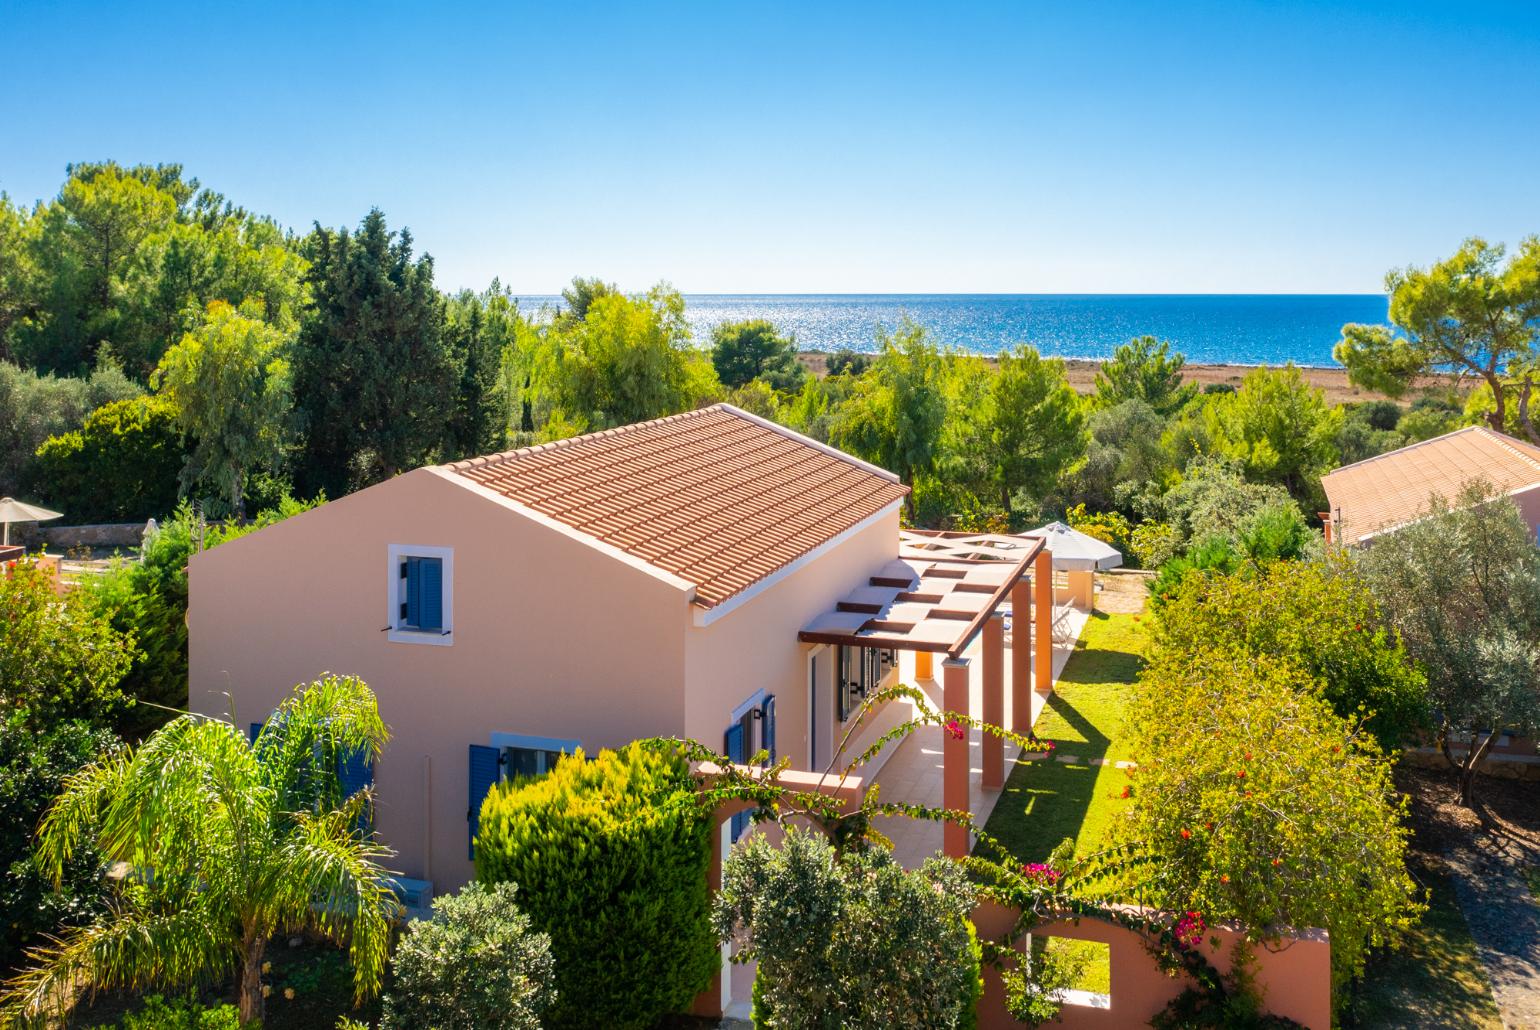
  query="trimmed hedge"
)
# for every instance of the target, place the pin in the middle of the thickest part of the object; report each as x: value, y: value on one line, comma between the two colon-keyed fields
x: 611, y: 858
x: 122, y: 465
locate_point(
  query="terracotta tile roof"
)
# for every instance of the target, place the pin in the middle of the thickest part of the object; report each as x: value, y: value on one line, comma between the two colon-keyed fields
x: 1395, y: 488
x: 717, y: 497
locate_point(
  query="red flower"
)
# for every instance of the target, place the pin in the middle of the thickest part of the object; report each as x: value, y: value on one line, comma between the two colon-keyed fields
x: 1224, y: 878
x: 955, y: 729
x: 1186, y: 833
x: 1241, y: 774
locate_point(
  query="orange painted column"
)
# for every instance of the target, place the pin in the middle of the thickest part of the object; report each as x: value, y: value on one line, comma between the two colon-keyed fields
x: 924, y: 668
x: 1021, y: 656
x: 1042, y: 622
x: 994, y: 701
x: 954, y: 756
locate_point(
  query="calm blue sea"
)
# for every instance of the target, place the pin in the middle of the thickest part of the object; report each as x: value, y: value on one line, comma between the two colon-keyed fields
x: 1209, y: 329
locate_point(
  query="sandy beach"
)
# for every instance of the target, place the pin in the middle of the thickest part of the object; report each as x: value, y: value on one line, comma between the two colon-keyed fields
x: 1082, y: 376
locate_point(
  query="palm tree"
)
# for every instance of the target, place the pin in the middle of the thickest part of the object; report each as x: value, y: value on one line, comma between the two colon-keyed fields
x: 228, y: 843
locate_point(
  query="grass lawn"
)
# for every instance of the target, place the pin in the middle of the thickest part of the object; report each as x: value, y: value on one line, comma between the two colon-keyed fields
x: 1046, y: 802
x: 1437, y: 980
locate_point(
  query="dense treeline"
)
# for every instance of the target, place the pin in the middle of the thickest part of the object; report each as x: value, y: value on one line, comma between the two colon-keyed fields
x: 159, y: 342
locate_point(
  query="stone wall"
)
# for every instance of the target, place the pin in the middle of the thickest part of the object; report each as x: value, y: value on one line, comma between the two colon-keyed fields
x: 62, y: 538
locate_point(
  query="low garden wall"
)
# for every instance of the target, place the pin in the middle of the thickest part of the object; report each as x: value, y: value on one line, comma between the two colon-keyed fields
x: 1294, y: 977
x: 62, y: 538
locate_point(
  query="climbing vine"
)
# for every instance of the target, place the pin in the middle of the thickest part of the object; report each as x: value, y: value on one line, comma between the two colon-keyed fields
x: 1064, y: 888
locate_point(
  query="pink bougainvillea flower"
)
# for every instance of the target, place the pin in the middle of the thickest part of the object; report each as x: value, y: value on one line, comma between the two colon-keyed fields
x: 1189, y: 930
x: 1037, y: 872
x: 955, y: 729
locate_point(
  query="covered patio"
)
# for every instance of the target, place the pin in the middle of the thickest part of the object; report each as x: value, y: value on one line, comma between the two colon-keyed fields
x: 947, y: 599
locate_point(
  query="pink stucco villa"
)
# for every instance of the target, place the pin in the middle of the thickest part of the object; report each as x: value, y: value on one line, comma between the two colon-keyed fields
x: 710, y: 575
x: 1371, y: 498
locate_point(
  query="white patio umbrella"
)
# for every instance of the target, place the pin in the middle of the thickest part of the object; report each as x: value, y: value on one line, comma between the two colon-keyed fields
x: 1074, y: 551
x: 12, y: 510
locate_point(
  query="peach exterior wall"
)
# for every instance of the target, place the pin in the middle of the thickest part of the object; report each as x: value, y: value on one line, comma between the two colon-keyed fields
x: 551, y: 637
x: 1295, y: 980
x: 755, y: 647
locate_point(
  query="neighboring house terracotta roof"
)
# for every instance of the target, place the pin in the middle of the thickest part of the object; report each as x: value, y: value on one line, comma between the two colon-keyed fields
x: 718, y: 497
x: 1395, y: 488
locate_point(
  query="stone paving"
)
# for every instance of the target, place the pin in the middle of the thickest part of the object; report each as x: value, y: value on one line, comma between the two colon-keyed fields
x: 1504, y: 920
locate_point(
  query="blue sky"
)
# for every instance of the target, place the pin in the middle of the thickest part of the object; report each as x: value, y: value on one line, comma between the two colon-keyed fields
x: 1143, y: 147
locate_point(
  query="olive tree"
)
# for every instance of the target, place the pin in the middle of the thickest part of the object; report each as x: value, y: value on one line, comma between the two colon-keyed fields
x: 1462, y: 587
x: 478, y: 964
x: 850, y: 940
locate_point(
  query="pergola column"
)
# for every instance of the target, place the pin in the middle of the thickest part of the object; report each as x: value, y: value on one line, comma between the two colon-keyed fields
x: 1021, y: 657
x: 994, y: 701
x: 924, y: 667
x: 954, y: 756
x: 1042, y: 622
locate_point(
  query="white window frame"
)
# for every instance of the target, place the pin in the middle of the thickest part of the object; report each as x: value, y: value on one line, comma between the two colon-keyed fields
x: 757, y: 701
x: 529, y: 743
x: 395, y: 632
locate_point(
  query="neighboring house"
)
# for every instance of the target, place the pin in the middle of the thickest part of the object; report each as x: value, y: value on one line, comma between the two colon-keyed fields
x: 650, y: 580
x: 1382, y: 493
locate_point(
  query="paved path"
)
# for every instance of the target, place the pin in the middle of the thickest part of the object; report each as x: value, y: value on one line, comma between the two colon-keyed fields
x: 1504, y: 920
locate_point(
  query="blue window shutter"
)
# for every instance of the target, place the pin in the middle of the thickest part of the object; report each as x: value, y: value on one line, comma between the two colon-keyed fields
x: 767, y: 714
x: 734, y: 743
x: 483, y: 774
x: 430, y: 573
x: 256, y: 728
x: 355, y: 772
x: 414, y: 592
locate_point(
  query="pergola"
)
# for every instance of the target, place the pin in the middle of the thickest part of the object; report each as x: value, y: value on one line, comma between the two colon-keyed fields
x: 942, y: 593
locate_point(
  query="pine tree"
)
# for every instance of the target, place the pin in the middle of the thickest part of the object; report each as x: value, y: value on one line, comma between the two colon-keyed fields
x: 373, y: 380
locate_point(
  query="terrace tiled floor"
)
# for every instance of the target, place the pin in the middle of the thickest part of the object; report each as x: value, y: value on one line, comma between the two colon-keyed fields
x: 912, y: 772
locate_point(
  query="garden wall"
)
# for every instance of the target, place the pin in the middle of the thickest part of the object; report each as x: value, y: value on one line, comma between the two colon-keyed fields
x: 1294, y: 978
x: 62, y: 538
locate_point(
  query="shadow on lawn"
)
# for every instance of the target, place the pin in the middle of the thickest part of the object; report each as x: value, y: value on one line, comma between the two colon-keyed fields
x: 1096, y: 742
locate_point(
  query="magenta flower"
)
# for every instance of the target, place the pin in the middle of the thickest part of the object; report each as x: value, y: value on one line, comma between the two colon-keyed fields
x: 955, y: 729
x: 1037, y: 872
x: 1189, y: 930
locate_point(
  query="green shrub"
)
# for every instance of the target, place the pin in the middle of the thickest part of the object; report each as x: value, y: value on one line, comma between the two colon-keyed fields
x: 476, y: 964
x: 120, y: 466
x: 611, y: 858
x: 181, y: 1014
x: 34, y: 407
x: 1110, y: 527
x: 1153, y: 544
x: 850, y: 941
x: 1254, y: 801
x: 1321, y: 616
x: 1275, y: 532
x: 60, y: 657
x: 33, y: 766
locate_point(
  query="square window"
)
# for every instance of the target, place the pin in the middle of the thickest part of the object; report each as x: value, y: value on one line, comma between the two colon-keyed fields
x: 420, y: 595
